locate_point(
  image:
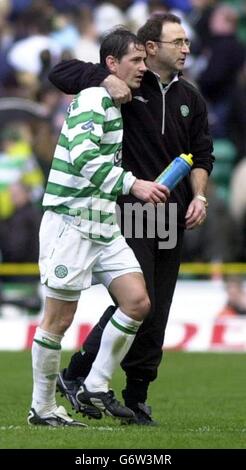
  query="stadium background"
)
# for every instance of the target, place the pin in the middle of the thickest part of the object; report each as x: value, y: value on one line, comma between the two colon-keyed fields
x: 34, y: 35
x: 195, y: 322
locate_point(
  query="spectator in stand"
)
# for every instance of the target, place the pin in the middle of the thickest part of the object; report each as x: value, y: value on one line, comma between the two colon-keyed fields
x: 224, y: 57
x: 237, y: 205
x: 237, y: 116
x: 19, y: 244
x: 215, y: 241
x: 236, y: 297
x: 17, y: 162
x: 19, y: 241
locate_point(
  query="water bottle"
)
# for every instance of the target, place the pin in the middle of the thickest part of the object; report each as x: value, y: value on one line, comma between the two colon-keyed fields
x: 175, y: 171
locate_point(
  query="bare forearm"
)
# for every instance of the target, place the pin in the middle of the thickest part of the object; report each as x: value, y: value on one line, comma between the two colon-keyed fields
x: 199, y: 181
x: 196, y: 212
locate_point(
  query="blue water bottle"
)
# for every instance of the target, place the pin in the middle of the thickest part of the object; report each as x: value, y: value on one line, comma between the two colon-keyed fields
x: 175, y: 171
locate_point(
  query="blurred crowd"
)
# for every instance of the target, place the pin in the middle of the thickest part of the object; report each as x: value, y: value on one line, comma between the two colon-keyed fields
x: 36, y: 34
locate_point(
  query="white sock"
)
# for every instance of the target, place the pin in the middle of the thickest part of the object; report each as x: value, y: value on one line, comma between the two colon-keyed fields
x: 46, y: 355
x: 116, y: 341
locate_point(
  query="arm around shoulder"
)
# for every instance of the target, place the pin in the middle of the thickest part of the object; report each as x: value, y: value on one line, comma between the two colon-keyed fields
x: 74, y: 75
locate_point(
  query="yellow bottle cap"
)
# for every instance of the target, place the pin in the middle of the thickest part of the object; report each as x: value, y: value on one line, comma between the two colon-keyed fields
x: 188, y: 158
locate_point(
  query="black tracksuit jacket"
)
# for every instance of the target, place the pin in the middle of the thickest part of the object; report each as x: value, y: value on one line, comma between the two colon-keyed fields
x: 169, y: 122
x: 160, y: 123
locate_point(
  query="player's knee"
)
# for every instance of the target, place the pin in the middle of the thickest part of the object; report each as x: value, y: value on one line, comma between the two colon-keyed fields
x: 138, y: 308
x: 57, y: 325
x: 59, y: 319
x: 65, y: 322
x: 65, y: 319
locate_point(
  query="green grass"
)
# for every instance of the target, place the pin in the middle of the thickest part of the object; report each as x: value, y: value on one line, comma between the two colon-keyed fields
x: 199, y: 400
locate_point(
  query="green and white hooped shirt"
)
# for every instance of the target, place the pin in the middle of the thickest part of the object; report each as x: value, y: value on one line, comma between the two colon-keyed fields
x: 85, y: 177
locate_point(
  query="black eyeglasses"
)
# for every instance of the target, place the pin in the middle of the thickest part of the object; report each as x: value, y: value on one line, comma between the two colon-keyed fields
x: 178, y: 43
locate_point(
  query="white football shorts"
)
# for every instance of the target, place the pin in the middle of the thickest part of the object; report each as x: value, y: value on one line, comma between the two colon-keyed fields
x: 67, y: 260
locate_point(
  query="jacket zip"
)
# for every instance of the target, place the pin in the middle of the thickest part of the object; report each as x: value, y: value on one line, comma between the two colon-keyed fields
x: 163, y: 93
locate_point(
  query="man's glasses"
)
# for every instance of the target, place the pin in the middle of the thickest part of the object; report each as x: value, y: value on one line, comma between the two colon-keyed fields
x: 178, y: 43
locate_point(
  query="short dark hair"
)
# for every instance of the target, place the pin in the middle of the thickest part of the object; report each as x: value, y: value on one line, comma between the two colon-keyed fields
x: 151, y: 30
x: 116, y: 43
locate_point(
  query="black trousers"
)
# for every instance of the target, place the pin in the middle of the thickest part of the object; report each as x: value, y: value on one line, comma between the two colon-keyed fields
x: 160, y: 268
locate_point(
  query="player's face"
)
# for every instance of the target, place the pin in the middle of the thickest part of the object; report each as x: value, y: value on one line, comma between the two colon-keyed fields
x: 172, y: 53
x: 131, y: 67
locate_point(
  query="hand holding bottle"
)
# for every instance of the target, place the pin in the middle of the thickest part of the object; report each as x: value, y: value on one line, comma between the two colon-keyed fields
x: 176, y: 171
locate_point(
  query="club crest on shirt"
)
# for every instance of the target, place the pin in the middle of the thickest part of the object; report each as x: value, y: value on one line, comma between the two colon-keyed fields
x: 184, y: 109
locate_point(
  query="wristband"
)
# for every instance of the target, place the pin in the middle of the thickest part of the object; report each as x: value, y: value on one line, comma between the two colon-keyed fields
x: 203, y: 199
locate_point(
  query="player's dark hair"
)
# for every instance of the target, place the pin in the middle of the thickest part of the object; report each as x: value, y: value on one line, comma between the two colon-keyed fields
x: 116, y: 43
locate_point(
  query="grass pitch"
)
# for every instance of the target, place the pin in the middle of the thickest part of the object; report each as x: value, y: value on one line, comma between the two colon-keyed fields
x: 199, y: 400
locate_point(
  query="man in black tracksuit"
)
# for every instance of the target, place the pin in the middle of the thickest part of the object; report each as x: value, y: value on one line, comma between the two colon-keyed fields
x: 166, y: 117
